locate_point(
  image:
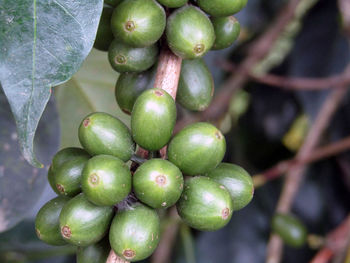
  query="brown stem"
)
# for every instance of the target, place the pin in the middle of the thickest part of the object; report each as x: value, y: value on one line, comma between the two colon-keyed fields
x: 336, y: 241
x: 295, y: 83
x: 167, y: 78
x: 295, y: 176
x: 318, y: 154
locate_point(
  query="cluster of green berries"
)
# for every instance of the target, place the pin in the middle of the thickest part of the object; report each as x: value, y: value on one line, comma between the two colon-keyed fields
x: 97, y: 180
x: 105, y: 201
x: 132, y: 31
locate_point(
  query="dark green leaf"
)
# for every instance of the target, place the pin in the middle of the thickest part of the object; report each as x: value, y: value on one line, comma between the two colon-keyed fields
x: 42, y: 43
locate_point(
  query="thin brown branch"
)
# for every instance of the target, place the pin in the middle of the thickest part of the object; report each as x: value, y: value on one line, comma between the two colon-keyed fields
x: 295, y: 83
x: 320, y: 153
x: 167, y: 241
x: 257, y: 51
x: 336, y: 241
x: 295, y: 176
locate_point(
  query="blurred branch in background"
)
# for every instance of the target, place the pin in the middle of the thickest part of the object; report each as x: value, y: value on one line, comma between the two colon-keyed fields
x: 294, y: 83
x: 336, y: 241
x: 283, y: 167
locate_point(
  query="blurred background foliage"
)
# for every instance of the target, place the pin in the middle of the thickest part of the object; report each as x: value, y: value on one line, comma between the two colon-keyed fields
x: 262, y: 126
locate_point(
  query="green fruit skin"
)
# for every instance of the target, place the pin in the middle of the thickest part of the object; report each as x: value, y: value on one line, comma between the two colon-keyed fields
x: 237, y: 181
x: 68, y: 176
x: 51, y: 179
x: 95, y: 253
x: 290, y: 229
x: 113, y: 3
x: 197, y: 149
x: 130, y: 85
x: 134, y: 233
x: 196, y: 85
x: 190, y: 34
x: 221, y: 7
x: 153, y: 119
x: 227, y: 31
x: 66, y: 154
x: 158, y: 183
x: 173, y: 3
x: 101, y: 133
x: 104, y: 36
x: 106, y: 180
x: 147, y: 19
x: 82, y: 223
x: 47, y: 221
x: 124, y: 58
x: 205, y: 204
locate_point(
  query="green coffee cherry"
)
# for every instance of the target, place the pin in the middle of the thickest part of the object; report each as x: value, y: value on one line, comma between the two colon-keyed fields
x: 51, y: 179
x: 227, y: 30
x: 82, y: 223
x: 66, y: 154
x: 153, y: 119
x: 189, y: 32
x: 197, y: 149
x: 95, y: 253
x: 130, y: 85
x: 237, y: 181
x: 134, y: 233
x: 47, y: 221
x: 158, y: 183
x: 205, y: 204
x: 196, y: 85
x: 113, y: 3
x: 221, y: 7
x: 101, y: 133
x: 104, y: 36
x: 138, y: 23
x: 290, y: 229
x: 124, y: 58
x: 106, y: 180
x: 173, y: 3
x: 68, y: 176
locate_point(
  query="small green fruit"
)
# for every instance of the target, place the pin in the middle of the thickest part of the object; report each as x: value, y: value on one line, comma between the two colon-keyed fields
x: 290, y: 229
x: 173, y: 3
x: 124, y: 58
x: 227, y: 30
x: 189, y: 32
x: 158, y: 183
x: 138, y: 23
x: 237, y: 181
x: 106, y: 180
x: 130, y: 85
x: 82, y: 223
x: 134, y: 233
x: 95, y: 253
x: 205, y: 204
x: 113, y: 3
x: 221, y: 7
x: 196, y: 85
x: 101, y: 133
x: 47, y: 221
x: 68, y: 176
x: 197, y: 149
x: 153, y: 119
x: 65, y: 155
x: 51, y: 179
x: 104, y: 36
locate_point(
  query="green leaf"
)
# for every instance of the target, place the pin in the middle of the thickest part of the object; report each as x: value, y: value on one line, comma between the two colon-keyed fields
x: 21, y: 185
x: 91, y: 89
x: 42, y: 43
